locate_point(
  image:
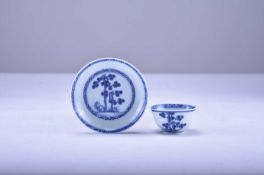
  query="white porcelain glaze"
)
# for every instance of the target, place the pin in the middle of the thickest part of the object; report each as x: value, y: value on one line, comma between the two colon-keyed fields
x: 172, y: 117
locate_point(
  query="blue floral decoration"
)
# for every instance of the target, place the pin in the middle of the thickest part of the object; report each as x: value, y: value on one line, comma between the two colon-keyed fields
x: 173, y: 123
x: 110, y: 94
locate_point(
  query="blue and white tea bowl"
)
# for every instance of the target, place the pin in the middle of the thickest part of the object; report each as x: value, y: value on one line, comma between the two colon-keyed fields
x: 172, y: 118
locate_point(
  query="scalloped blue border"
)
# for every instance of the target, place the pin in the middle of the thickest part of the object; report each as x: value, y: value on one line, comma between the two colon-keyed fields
x: 112, y: 71
x: 141, y: 110
x: 189, y: 108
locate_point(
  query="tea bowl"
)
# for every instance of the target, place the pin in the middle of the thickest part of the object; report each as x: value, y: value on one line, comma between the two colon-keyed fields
x: 172, y: 118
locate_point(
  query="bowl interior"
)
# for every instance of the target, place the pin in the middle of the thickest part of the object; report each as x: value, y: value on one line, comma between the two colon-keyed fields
x: 173, y: 108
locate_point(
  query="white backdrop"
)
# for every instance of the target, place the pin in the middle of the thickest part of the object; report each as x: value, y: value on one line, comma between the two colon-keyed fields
x: 157, y: 36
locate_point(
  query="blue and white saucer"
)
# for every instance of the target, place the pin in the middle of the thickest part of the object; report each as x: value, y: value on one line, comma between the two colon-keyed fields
x: 109, y: 95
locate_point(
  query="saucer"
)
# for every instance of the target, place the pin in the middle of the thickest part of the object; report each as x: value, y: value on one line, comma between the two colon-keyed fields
x: 109, y: 95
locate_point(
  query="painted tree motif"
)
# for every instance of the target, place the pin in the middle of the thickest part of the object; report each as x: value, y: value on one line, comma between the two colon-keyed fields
x: 173, y: 122
x: 110, y: 93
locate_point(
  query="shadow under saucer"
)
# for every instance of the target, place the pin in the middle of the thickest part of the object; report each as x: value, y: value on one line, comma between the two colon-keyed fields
x: 187, y: 132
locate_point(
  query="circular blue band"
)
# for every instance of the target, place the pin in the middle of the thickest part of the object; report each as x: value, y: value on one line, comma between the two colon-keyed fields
x: 104, y: 116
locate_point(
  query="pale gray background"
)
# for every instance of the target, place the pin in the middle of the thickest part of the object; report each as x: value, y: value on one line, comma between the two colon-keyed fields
x: 162, y: 36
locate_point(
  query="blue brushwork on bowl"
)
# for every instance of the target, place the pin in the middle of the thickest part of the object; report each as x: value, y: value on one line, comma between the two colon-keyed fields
x: 172, y: 118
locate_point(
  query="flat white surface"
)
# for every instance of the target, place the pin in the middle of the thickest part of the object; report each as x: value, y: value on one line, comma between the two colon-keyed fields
x: 40, y: 134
